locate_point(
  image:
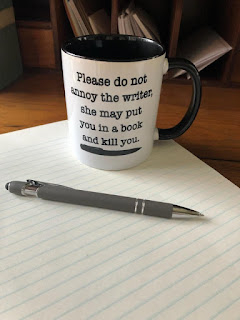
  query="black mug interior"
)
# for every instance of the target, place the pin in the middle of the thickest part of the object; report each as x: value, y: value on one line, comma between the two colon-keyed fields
x: 120, y: 48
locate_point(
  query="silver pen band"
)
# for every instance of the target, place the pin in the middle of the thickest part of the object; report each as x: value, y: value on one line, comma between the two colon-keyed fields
x: 136, y: 205
x: 142, y: 206
x: 29, y: 191
x: 31, y: 188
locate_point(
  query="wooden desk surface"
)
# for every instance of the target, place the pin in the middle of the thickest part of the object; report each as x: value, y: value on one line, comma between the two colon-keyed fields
x: 38, y: 98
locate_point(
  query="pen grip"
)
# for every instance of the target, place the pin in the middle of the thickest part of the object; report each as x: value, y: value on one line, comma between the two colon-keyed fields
x: 105, y: 201
x: 86, y: 198
x: 158, y: 209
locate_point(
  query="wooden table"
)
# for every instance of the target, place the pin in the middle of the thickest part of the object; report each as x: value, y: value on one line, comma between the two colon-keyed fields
x: 38, y: 98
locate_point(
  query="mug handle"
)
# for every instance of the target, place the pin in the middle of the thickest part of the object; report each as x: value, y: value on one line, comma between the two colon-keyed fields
x: 186, y: 122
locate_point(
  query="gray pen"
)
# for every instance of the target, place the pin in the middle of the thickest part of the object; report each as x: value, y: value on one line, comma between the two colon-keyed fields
x: 55, y: 192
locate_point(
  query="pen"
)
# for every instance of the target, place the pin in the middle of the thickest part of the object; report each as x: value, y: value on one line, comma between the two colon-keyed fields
x: 55, y: 192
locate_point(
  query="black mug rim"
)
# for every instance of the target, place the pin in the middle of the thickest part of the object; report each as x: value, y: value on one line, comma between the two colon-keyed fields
x: 114, y: 37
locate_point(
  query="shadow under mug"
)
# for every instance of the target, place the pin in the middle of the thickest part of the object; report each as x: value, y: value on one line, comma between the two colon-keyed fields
x: 112, y: 89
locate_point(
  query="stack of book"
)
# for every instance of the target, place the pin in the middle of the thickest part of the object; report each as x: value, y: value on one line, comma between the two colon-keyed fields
x: 134, y: 20
x: 87, y: 17
x: 202, y: 47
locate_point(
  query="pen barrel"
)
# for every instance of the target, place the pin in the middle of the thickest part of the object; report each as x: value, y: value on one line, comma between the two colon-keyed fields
x: 105, y: 201
x: 158, y: 209
x: 86, y: 198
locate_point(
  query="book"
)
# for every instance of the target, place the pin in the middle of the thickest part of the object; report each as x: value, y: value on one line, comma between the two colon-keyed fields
x: 62, y: 261
x: 146, y: 24
x: 137, y: 22
x: 136, y: 30
x: 121, y: 25
x: 87, y: 17
x: 100, y: 22
x: 10, y: 56
x: 127, y: 24
x: 202, y: 47
x: 81, y: 16
x: 76, y: 28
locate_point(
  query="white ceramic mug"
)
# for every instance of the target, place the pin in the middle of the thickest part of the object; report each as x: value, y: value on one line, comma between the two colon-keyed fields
x: 112, y: 89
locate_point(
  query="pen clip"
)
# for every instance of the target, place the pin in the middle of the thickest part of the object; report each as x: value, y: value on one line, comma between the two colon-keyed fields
x: 33, y: 183
x: 32, y: 186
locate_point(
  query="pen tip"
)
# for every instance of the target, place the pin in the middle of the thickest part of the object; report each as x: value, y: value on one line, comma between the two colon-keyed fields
x: 197, y: 213
x: 183, y: 210
x: 7, y: 186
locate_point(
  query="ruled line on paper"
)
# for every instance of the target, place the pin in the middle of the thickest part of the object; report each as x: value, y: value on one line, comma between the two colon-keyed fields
x: 74, y: 170
x: 125, y: 188
x: 182, y: 297
x: 157, y: 185
x: 32, y: 147
x: 35, y: 156
x: 185, y: 172
x: 212, y: 296
x: 224, y: 308
x: 203, y: 283
x: 74, y: 238
x: 43, y: 241
x: 37, y: 206
x: 85, y: 244
x: 140, y: 270
x: 110, y: 245
x: 54, y: 226
x: 156, y: 277
x: 152, y: 194
x: 91, y: 298
x: 182, y: 177
x: 178, y: 169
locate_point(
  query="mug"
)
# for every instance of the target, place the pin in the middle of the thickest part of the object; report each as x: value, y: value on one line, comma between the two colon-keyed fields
x: 112, y: 89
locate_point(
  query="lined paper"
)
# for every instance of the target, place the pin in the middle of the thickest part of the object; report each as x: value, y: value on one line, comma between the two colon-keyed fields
x: 60, y: 261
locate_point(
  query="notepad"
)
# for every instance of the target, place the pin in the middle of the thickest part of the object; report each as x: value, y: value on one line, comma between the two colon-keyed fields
x: 61, y: 261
